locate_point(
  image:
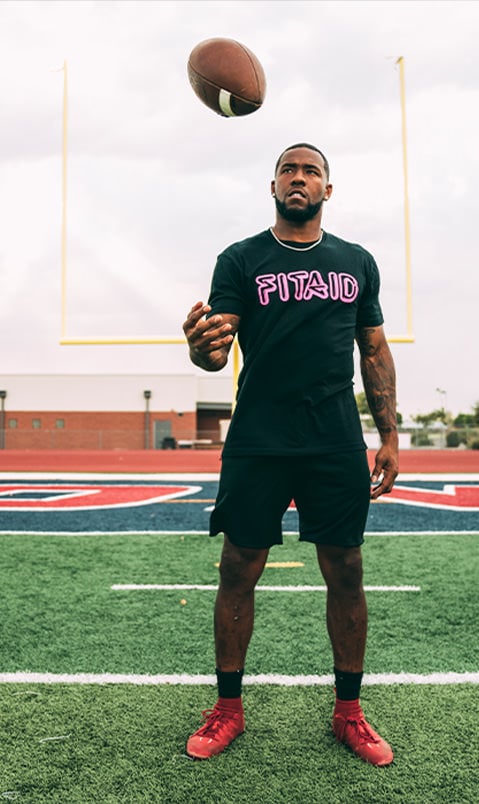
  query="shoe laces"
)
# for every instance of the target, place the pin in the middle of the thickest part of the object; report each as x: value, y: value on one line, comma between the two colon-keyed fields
x: 214, y: 720
x: 363, y: 729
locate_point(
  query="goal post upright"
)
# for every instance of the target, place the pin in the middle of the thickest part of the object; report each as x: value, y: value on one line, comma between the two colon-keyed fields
x: 407, y: 229
x: 64, y: 201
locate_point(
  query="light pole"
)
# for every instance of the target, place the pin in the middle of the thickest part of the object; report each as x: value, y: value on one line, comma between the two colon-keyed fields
x: 147, y: 395
x: 3, y: 395
x: 443, y: 395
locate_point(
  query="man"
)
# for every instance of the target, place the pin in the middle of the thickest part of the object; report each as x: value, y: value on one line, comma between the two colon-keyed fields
x: 297, y: 297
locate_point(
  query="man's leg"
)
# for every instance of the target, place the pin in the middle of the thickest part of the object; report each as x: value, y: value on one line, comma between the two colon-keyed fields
x: 347, y: 616
x: 240, y: 570
x: 347, y: 627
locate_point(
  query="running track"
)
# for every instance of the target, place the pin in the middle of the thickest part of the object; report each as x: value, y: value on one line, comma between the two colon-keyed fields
x: 191, y: 461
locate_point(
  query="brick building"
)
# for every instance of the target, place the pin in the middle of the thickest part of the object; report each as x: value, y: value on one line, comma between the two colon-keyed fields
x: 88, y: 411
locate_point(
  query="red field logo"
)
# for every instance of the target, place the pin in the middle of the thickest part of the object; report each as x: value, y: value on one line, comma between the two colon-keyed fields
x: 450, y: 498
x: 30, y: 497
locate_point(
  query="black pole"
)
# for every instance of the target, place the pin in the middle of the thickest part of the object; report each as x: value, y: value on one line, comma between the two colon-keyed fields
x: 147, y: 395
x: 3, y: 395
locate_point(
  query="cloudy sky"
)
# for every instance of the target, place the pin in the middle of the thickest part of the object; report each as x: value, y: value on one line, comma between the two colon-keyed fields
x: 158, y: 184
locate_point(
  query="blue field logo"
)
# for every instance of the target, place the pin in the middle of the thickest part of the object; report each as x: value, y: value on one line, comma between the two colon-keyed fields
x: 439, y: 504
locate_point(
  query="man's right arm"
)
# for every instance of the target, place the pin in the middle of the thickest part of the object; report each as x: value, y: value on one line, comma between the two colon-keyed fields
x: 209, y: 339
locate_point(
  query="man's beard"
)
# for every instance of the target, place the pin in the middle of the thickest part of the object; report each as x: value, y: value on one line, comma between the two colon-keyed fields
x: 296, y: 214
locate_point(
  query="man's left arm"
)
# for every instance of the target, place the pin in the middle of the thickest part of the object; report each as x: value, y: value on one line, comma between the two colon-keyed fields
x: 379, y: 380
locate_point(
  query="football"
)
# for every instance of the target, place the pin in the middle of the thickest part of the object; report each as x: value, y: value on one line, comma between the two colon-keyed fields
x: 227, y: 77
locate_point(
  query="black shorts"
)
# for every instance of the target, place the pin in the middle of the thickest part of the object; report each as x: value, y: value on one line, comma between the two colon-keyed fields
x: 331, y: 493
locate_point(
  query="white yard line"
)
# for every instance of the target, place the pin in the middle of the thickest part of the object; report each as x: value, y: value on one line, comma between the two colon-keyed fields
x: 176, y: 533
x: 208, y: 587
x: 204, y: 476
x: 184, y: 679
x: 117, y: 476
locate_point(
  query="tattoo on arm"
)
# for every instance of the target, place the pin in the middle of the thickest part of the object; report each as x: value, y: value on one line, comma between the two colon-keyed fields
x: 365, y: 339
x: 379, y: 378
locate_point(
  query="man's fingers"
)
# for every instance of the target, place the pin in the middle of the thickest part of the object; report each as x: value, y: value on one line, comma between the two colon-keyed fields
x: 385, y: 480
x: 206, y: 334
x: 212, y: 346
x: 211, y: 329
x: 197, y: 312
x: 214, y: 337
x: 382, y: 488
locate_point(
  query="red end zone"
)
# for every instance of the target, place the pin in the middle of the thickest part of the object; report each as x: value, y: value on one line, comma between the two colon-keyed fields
x: 189, y: 461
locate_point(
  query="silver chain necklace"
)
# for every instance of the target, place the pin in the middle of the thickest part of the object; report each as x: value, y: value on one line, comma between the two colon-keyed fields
x: 294, y: 248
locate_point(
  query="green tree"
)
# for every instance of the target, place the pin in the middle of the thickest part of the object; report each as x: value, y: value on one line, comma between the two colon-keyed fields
x: 362, y: 403
x: 426, y: 419
x: 468, y: 419
x: 464, y: 420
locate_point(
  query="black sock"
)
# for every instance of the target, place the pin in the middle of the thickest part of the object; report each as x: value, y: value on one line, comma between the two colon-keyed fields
x: 348, y: 685
x: 229, y: 684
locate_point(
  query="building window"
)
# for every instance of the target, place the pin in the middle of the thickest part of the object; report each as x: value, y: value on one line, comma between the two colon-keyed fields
x: 12, y: 423
x: 60, y: 424
x: 36, y: 424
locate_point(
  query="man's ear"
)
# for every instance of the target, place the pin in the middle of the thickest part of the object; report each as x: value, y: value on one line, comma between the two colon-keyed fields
x: 273, y: 189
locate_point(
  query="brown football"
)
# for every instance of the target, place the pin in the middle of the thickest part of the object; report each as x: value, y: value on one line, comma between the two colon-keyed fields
x: 227, y: 77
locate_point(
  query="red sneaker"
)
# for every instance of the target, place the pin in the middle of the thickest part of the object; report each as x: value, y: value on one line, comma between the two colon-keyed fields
x: 220, y: 728
x: 355, y: 732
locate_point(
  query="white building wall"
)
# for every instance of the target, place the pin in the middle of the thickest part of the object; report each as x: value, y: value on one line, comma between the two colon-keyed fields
x: 215, y: 388
x: 92, y: 392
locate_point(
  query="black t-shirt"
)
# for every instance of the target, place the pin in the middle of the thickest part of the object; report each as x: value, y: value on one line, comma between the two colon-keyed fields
x: 299, y: 308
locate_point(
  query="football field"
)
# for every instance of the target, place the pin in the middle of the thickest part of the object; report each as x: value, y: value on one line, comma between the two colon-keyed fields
x: 106, y: 650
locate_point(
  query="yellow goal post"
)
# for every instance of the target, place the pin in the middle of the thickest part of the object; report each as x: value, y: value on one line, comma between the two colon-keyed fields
x: 65, y: 340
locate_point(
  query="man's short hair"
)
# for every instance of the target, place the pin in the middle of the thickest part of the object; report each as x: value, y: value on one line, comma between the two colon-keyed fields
x: 303, y: 145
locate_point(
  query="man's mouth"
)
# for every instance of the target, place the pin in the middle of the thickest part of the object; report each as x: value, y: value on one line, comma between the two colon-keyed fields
x: 296, y: 194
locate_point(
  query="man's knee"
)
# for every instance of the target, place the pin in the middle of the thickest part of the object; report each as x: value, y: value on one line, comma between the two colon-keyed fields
x: 241, y: 566
x: 342, y: 568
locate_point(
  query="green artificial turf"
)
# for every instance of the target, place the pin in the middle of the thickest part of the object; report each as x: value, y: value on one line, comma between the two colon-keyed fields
x: 60, y: 615
x: 123, y: 744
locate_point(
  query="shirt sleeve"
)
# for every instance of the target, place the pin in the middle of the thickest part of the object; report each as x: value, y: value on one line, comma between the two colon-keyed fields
x: 370, y: 313
x: 227, y: 286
